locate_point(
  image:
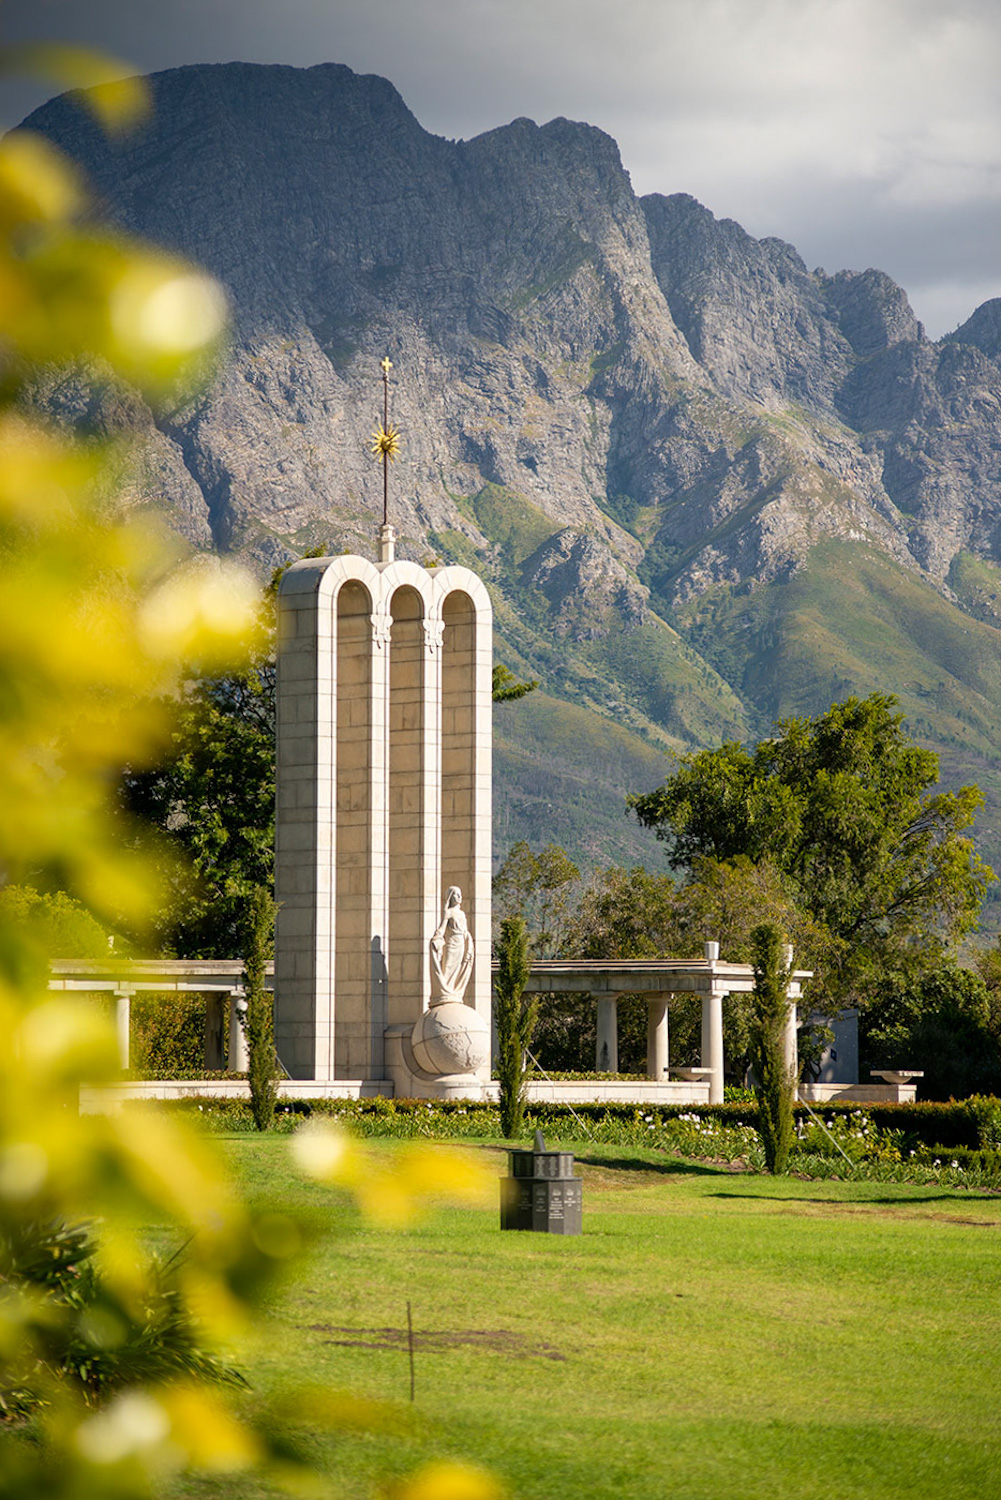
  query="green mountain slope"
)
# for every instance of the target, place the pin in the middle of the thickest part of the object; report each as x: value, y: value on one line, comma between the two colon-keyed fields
x: 852, y: 620
x: 561, y: 772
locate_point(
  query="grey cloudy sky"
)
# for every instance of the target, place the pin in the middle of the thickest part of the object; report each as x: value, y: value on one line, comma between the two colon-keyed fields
x: 867, y: 132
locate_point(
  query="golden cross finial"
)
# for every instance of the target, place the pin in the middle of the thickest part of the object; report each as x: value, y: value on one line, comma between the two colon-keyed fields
x: 387, y: 365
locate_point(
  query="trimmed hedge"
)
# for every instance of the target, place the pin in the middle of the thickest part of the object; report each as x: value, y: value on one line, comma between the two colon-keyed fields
x: 986, y: 1161
x: 937, y: 1127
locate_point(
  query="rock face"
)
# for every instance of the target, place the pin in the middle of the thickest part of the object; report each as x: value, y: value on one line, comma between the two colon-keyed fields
x: 624, y: 413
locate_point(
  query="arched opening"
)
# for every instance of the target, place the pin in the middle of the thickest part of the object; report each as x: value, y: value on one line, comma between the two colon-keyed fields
x: 352, y: 832
x: 407, y: 708
x: 458, y: 747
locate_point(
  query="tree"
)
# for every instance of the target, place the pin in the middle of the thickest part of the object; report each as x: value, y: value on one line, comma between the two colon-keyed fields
x: 105, y: 1353
x: 626, y: 914
x: 505, y: 687
x: 620, y: 914
x: 211, y: 799
x: 537, y: 887
x: 259, y: 947
x: 92, y: 619
x: 726, y: 899
x: 942, y: 1021
x: 53, y: 923
x: 775, y: 1086
x: 842, y: 807
x: 515, y: 1018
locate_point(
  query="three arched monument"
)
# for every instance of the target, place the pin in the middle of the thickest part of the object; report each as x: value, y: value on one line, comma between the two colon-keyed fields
x: 384, y: 806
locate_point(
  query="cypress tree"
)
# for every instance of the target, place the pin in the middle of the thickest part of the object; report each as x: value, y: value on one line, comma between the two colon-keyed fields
x: 770, y: 1013
x: 258, y: 948
x: 515, y: 1022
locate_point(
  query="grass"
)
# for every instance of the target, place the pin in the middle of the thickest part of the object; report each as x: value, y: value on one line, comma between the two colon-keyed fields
x: 711, y: 1335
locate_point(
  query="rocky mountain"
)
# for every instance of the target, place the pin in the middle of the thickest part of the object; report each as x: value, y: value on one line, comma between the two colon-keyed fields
x: 706, y: 485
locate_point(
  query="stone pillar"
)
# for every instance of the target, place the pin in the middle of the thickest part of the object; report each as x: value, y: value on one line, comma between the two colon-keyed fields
x: 237, y: 1052
x: 304, y: 818
x: 466, y: 728
x: 790, y: 1047
x: 712, y: 1026
x: 656, y: 1039
x: 356, y: 838
x: 606, y: 1047
x: 216, y: 1022
x: 123, y: 1008
x: 413, y: 800
x: 712, y: 1042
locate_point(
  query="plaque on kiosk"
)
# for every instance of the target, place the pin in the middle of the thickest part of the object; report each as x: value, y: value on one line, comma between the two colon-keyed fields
x: 540, y: 1191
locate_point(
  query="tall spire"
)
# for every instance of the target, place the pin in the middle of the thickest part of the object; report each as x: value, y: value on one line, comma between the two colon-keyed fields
x: 386, y: 445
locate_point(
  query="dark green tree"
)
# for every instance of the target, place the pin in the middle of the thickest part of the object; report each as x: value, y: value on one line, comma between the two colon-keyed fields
x: 626, y: 914
x: 515, y: 1016
x: 259, y: 944
x: 842, y: 806
x: 212, y: 800
x: 942, y: 1021
x: 620, y: 914
x: 775, y: 1082
x: 53, y: 923
x: 505, y: 686
x: 54, y: 1266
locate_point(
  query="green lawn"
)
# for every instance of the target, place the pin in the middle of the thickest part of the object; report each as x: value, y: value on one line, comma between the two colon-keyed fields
x: 711, y: 1335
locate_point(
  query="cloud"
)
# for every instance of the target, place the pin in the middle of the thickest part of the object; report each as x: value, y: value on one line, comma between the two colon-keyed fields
x: 788, y: 115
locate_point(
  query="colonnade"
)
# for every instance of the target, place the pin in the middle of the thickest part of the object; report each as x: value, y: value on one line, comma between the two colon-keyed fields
x: 219, y: 980
x: 656, y: 981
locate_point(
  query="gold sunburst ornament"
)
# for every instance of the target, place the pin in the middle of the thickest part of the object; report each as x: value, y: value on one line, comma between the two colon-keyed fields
x: 385, y: 442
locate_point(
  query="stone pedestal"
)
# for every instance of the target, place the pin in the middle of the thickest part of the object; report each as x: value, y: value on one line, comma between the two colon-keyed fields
x: 411, y: 1081
x: 541, y: 1193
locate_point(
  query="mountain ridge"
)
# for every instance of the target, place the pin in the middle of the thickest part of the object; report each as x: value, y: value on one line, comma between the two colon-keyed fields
x: 628, y: 414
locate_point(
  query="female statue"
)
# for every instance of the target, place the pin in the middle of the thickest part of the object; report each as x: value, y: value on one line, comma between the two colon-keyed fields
x: 451, y: 952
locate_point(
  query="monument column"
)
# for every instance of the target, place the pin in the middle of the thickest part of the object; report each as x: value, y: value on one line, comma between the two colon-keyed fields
x: 237, y: 1050
x: 383, y: 709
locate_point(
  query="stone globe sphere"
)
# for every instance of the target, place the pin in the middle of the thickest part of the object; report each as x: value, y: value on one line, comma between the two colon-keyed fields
x: 450, y: 1038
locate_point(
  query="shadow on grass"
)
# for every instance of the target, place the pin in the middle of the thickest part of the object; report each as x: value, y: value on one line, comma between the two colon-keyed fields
x: 674, y: 1167
x: 967, y: 1196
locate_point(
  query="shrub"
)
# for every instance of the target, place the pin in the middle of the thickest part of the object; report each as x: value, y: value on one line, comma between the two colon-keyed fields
x: 986, y: 1110
x: 167, y: 1035
x: 259, y: 943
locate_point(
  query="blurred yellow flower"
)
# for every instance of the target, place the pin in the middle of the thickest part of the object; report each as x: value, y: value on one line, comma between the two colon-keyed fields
x: 37, y: 183
x: 446, y: 1480
x: 391, y: 1187
x: 206, y: 611
x: 158, y: 308
x: 110, y: 91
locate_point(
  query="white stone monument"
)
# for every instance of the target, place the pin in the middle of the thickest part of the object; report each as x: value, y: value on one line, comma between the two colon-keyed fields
x: 384, y: 818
